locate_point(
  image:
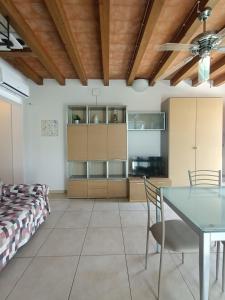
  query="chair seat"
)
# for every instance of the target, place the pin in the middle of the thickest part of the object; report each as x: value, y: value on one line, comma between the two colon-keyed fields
x: 179, y: 236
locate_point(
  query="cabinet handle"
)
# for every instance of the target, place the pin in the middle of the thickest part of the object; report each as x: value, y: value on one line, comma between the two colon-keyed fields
x: 195, y: 148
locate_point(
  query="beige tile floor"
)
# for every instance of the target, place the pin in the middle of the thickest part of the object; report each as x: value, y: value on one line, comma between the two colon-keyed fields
x: 94, y: 250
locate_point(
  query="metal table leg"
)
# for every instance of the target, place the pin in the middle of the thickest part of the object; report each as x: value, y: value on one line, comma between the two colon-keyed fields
x: 158, y: 219
x: 204, y: 265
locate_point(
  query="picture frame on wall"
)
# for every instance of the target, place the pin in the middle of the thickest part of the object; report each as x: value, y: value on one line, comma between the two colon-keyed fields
x: 49, y: 128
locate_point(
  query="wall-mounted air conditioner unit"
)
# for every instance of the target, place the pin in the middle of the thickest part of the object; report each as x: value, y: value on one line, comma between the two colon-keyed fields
x: 13, y: 42
x: 13, y: 81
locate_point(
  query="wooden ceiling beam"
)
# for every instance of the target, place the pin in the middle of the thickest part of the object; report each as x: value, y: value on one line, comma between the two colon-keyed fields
x: 219, y: 80
x: 24, y: 68
x: 104, y: 13
x: 57, y: 11
x: 153, y: 11
x: 184, y: 72
x: 7, y: 8
x: 195, y: 81
x: 183, y: 35
x: 218, y: 66
x: 17, y: 54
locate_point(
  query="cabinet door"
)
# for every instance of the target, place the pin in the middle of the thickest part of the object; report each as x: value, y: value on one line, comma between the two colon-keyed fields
x: 97, y: 142
x: 117, y: 188
x: 97, y: 188
x: 77, y: 189
x: 137, y: 190
x: 182, y: 116
x: 77, y: 142
x: 209, y: 133
x: 117, y: 141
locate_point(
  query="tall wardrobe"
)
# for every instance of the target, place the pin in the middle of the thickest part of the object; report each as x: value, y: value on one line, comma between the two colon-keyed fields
x: 193, y: 137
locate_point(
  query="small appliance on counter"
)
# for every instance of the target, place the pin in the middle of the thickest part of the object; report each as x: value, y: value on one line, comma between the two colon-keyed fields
x: 152, y: 166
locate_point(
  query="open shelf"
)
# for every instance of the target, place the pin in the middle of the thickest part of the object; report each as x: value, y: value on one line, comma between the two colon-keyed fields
x: 116, y: 114
x: 77, y: 169
x: 97, y: 114
x: 117, y: 169
x: 97, y: 169
x: 77, y: 112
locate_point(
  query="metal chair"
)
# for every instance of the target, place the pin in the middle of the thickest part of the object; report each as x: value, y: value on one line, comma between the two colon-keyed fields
x: 174, y: 235
x: 205, y: 177
x: 210, y: 178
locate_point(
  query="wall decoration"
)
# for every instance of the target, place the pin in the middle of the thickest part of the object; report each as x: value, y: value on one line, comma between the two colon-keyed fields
x: 49, y: 128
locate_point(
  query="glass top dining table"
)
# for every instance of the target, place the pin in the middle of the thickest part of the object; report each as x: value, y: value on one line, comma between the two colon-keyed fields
x: 203, y: 206
x: 203, y: 209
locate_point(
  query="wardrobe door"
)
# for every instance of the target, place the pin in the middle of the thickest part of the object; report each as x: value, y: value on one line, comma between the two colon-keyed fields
x: 6, y: 153
x: 77, y: 142
x: 97, y: 142
x: 209, y: 133
x: 181, y: 130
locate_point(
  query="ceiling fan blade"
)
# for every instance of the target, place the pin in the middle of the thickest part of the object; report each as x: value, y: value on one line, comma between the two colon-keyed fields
x: 221, y: 49
x: 176, y: 67
x: 204, y: 69
x: 174, y: 47
x: 221, y: 33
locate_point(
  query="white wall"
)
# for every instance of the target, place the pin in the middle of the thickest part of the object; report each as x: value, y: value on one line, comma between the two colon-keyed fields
x: 45, y: 157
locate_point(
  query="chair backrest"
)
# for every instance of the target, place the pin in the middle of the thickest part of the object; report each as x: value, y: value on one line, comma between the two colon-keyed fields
x: 154, y: 196
x: 205, y: 177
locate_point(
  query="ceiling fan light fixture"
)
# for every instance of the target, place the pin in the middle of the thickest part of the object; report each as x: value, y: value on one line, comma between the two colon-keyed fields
x: 204, y: 68
x: 140, y: 85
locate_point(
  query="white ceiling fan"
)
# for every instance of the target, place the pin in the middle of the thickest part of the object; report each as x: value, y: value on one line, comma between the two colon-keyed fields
x: 201, y: 45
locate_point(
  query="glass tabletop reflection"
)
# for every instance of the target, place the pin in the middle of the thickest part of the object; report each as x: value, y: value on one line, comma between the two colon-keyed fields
x: 204, y: 207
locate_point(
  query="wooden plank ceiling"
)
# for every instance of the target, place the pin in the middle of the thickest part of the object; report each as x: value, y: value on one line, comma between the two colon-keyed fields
x: 109, y: 39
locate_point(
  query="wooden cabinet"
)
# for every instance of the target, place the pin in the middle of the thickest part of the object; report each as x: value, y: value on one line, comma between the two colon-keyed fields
x: 97, y: 151
x: 194, y: 136
x: 77, y: 142
x: 97, y: 142
x: 77, y: 189
x: 137, y: 188
x: 117, y: 141
x: 97, y: 188
x: 117, y: 188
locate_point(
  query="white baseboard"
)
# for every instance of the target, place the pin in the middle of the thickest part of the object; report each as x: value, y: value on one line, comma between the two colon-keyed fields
x: 57, y: 191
